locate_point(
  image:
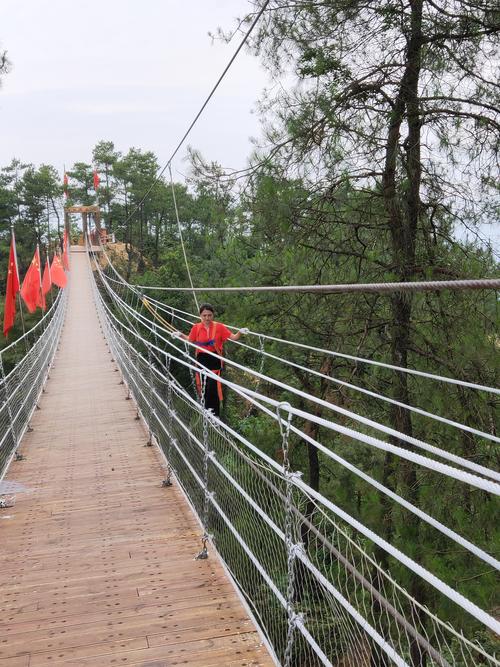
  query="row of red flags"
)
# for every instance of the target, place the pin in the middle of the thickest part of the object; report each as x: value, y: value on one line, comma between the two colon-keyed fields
x: 35, y: 285
x: 97, y: 181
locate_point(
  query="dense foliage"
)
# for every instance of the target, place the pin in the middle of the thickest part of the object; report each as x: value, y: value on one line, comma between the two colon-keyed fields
x: 384, y: 147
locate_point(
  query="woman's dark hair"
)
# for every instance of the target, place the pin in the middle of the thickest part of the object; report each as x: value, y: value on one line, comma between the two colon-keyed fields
x: 206, y: 306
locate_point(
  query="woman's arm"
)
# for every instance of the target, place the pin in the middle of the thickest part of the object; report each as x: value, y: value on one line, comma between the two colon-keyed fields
x: 238, y: 334
x: 179, y: 334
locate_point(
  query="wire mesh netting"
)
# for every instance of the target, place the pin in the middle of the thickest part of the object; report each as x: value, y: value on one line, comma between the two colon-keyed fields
x: 320, y: 587
x: 29, y: 359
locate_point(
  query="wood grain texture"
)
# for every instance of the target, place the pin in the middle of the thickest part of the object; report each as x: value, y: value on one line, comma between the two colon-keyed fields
x: 98, y: 564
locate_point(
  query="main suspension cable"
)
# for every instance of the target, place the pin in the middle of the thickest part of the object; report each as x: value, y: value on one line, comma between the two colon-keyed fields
x: 201, y: 110
x: 495, y: 488
x: 342, y: 355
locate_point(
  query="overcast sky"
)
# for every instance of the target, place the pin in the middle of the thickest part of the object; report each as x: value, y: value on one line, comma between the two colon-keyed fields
x: 127, y: 71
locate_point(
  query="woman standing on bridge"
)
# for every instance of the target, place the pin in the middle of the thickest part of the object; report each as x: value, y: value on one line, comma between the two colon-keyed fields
x: 210, y: 336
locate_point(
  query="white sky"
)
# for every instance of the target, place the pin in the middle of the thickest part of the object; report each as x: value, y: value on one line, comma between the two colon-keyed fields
x: 127, y: 71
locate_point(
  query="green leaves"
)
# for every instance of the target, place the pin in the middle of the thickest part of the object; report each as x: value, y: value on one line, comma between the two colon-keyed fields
x: 317, y: 62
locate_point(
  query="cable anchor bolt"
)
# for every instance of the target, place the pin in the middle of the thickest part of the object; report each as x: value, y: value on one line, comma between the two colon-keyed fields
x: 203, y: 555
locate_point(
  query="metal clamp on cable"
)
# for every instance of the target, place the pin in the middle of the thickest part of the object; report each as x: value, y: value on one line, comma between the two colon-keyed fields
x: 296, y: 550
x: 297, y: 620
x: 284, y: 406
x: 203, y: 555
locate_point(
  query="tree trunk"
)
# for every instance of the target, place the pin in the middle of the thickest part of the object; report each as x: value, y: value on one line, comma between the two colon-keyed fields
x: 403, y: 210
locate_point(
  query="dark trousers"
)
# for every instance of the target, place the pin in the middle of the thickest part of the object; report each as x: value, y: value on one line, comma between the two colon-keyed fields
x: 212, y: 398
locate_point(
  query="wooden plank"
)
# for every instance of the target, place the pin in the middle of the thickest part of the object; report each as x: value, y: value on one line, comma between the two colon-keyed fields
x: 215, y: 651
x: 97, y: 557
x: 73, y: 615
x: 18, y: 661
x: 131, y: 627
x: 104, y: 652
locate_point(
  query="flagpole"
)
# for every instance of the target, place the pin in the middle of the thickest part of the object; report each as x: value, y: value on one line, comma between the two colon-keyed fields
x: 50, y: 275
x: 42, y: 296
x: 48, y: 224
x: 19, y: 300
x: 65, y: 199
x: 64, y: 203
x: 47, y: 257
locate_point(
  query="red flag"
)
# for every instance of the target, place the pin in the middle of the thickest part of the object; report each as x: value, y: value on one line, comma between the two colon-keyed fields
x: 9, y: 312
x: 57, y: 272
x: 97, y: 180
x: 47, y: 278
x: 65, y: 185
x: 65, y: 255
x: 31, y: 290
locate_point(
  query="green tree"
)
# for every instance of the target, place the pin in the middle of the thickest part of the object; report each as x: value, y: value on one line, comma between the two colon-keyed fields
x: 39, y: 190
x: 105, y: 157
x: 81, y: 185
x: 5, y: 64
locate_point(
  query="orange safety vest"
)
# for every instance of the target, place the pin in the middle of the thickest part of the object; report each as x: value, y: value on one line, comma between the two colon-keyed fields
x: 214, y: 338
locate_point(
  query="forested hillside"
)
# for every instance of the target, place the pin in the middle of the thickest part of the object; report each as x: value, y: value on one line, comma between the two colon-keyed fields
x: 376, y: 157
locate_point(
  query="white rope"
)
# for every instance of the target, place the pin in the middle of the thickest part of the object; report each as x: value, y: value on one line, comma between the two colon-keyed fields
x: 380, y: 364
x: 325, y: 582
x: 422, y: 286
x: 45, y: 346
x: 400, y: 369
x: 42, y: 322
x: 443, y: 468
x: 341, y: 355
x: 181, y: 238
x: 381, y: 397
x: 247, y: 549
x: 471, y: 479
x: 412, y: 508
x: 387, y: 648
x: 460, y: 600
x: 451, y: 534
x: 445, y: 626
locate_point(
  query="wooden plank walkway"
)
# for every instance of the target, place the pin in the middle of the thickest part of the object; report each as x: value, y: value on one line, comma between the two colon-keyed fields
x: 97, y: 563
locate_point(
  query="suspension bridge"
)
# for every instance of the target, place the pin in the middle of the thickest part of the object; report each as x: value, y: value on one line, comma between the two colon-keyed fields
x: 98, y: 562
x: 138, y: 528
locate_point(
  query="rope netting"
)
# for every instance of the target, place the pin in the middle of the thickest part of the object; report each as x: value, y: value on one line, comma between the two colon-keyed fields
x: 324, y: 587
x: 24, y: 368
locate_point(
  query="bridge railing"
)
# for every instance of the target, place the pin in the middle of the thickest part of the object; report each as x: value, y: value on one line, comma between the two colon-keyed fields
x: 305, y: 568
x: 24, y: 369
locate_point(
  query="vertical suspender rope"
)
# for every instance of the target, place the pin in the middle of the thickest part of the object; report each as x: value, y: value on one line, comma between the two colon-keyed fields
x: 149, y: 399
x: 182, y: 240
x: 170, y: 422
x: 290, y: 541
x: 206, y: 455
